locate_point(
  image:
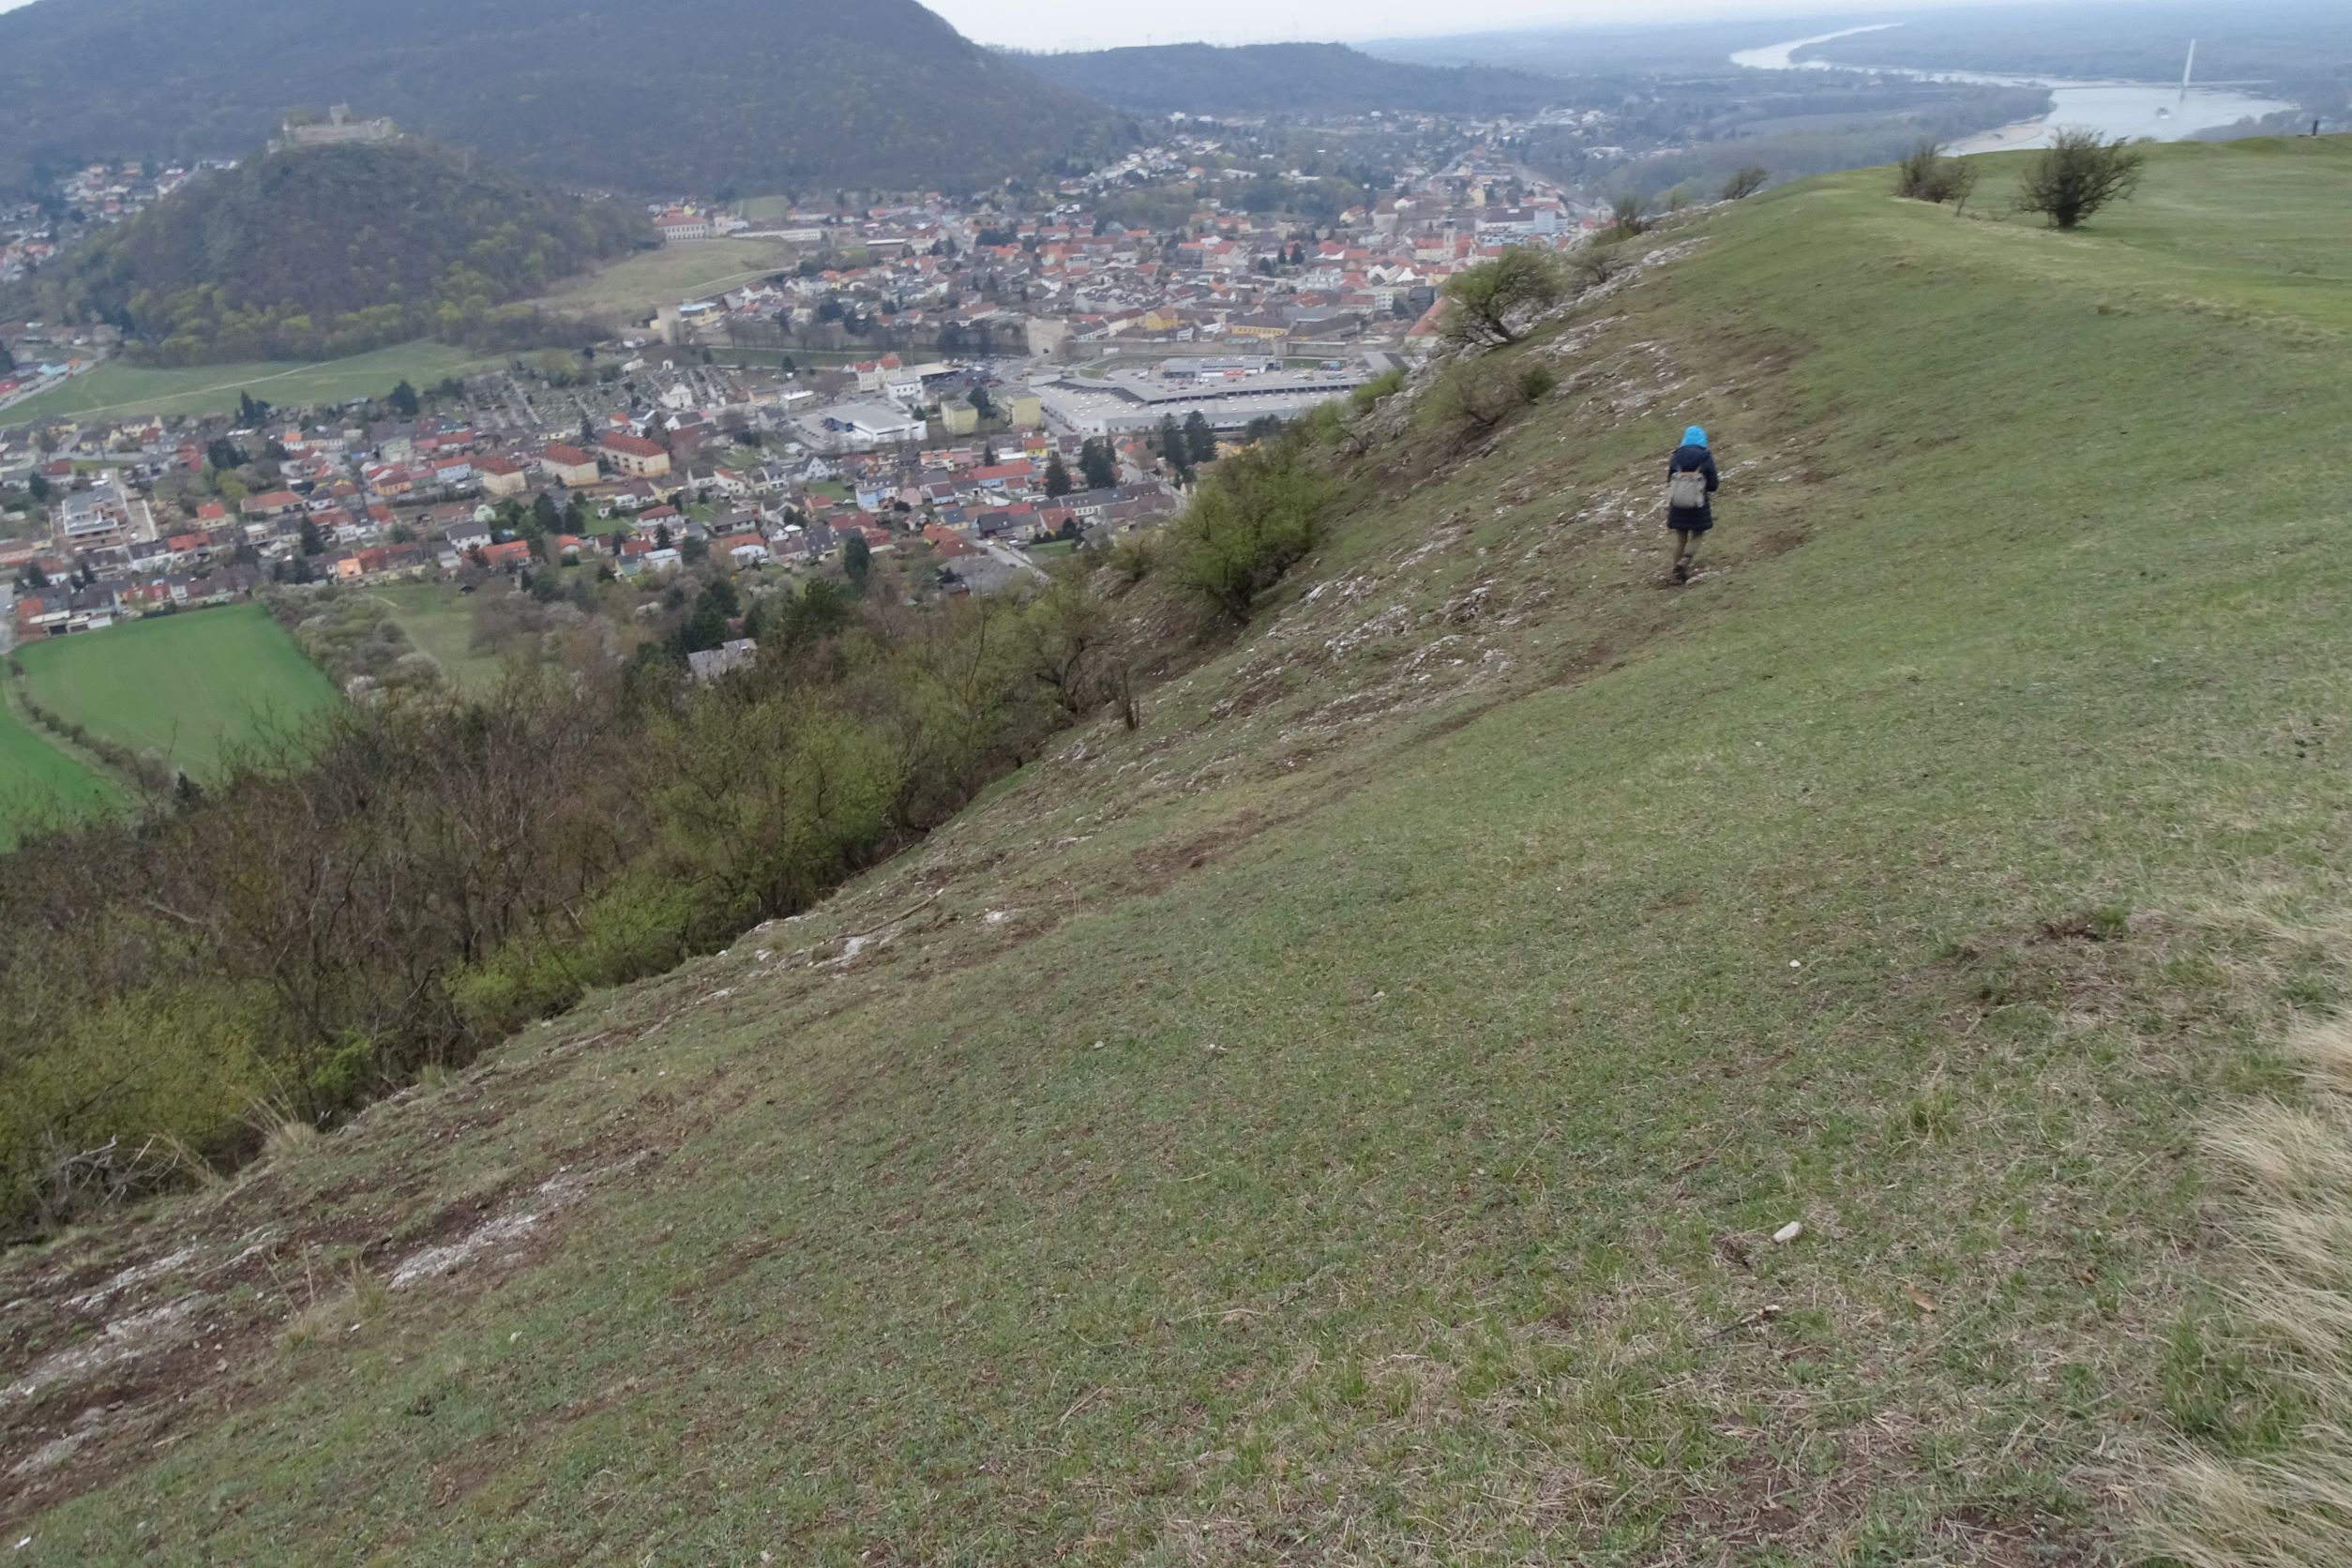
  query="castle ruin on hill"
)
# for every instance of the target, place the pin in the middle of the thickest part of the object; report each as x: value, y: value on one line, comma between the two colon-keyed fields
x: 338, y: 127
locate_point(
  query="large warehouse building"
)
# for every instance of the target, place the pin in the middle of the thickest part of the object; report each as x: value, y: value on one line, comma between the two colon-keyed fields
x: 1228, y: 397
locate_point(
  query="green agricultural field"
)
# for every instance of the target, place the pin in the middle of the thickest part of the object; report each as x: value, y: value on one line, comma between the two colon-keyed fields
x: 440, y: 621
x: 192, y: 686
x: 636, y: 285
x: 116, y: 389
x: 1347, y: 1119
x: 40, y: 784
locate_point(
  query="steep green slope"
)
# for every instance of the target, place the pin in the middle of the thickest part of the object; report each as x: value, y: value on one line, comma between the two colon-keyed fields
x: 695, y: 96
x: 320, y: 252
x: 1345, y: 1120
x: 1289, y: 79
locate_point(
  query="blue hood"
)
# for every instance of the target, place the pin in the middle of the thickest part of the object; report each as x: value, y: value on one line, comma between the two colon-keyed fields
x: 1693, y: 437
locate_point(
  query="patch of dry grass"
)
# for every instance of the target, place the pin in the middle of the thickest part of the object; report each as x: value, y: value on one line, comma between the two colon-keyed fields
x: 2290, y: 1507
x: 362, y: 1298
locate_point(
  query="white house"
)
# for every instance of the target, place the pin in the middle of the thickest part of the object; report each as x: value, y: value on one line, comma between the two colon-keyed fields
x: 872, y: 424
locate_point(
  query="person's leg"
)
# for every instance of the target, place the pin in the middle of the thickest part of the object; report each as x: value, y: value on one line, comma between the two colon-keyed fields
x: 1690, y: 549
x: 1684, y: 542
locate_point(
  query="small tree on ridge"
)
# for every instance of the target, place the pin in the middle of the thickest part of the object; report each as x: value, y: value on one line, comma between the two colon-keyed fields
x: 1745, y: 183
x: 2080, y: 174
x: 1489, y: 298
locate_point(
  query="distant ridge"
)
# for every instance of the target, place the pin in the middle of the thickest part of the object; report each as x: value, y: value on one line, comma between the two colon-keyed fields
x: 688, y: 95
x: 1289, y: 78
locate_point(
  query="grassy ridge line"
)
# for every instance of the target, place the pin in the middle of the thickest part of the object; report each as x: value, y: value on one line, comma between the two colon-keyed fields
x: 194, y: 688
x: 1344, y: 1119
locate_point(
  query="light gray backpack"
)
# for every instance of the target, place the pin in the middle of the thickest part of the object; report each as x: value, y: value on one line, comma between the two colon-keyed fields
x: 1687, y: 491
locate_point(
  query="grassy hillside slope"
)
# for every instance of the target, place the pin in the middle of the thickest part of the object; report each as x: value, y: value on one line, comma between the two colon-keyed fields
x: 189, y: 687
x: 1346, y: 1119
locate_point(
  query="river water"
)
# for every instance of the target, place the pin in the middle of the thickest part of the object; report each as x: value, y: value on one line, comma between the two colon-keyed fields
x: 2158, y: 111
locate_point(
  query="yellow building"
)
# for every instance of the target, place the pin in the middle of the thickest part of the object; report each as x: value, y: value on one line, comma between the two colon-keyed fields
x: 635, y: 455
x: 501, y: 478
x: 959, y: 418
x: 1022, y: 409
x: 569, y: 466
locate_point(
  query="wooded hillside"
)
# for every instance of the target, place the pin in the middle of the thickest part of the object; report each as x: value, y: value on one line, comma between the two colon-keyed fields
x: 688, y: 96
x: 327, y: 251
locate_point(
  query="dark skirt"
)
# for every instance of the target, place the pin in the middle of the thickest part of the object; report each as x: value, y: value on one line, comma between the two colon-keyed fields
x: 1691, y: 519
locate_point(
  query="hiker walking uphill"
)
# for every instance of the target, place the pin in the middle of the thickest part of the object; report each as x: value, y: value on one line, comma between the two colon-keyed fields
x: 1691, y: 485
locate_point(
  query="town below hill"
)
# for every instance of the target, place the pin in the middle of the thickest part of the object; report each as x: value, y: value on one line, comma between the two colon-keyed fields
x: 960, y: 383
x: 461, y: 482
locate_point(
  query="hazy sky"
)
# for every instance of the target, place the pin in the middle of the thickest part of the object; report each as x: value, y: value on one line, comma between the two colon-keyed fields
x: 1101, y: 23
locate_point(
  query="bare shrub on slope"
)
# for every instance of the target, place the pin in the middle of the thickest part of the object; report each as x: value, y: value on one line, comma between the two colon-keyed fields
x: 1925, y: 174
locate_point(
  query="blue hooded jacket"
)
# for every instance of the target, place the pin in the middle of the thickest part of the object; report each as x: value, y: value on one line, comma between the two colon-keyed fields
x: 1693, y: 455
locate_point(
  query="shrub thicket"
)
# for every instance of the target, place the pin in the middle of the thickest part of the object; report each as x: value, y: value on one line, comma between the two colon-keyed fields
x: 349, y: 636
x: 1257, y: 515
x: 1377, y: 391
x: 413, y: 879
x: 1475, y: 398
x: 1745, y: 182
x: 1593, y: 264
x: 1925, y: 174
x: 1135, y: 557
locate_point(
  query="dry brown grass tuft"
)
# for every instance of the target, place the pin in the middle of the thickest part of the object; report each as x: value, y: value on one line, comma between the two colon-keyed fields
x: 363, y: 1298
x: 2291, y: 1508
x: 289, y: 1139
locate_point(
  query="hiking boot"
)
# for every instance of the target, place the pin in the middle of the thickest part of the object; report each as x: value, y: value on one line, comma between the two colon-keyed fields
x: 1682, y: 570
